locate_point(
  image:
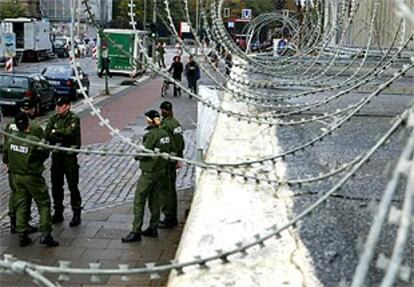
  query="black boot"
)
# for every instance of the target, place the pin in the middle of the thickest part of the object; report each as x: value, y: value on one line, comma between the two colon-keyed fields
x: 76, y: 219
x: 57, y: 216
x: 150, y: 232
x: 12, y: 224
x: 24, y: 240
x: 131, y: 237
x: 47, y: 239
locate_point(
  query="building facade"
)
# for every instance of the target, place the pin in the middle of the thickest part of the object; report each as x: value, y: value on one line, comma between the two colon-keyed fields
x: 59, y: 10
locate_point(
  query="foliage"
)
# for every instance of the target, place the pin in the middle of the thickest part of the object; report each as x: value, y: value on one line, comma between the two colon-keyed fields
x: 11, y: 9
x: 122, y: 20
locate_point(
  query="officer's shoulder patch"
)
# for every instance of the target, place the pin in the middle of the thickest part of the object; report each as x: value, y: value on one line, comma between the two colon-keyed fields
x: 178, y: 130
x: 165, y: 140
x: 13, y: 127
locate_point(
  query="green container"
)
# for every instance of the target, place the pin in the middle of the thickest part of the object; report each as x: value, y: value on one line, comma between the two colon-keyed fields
x: 120, y: 41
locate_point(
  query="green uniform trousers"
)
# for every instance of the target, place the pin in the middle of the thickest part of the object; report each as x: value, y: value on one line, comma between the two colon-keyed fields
x: 34, y: 186
x: 65, y: 165
x: 149, y: 186
x: 168, y: 196
x: 12, y: 200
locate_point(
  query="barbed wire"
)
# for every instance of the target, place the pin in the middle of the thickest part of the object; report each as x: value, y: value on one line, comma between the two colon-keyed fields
x: 258, y: 241
x: 223, y: 256
x: 403, y: 166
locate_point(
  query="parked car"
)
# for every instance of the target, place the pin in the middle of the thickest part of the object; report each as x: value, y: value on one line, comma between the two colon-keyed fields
x: 258, y: 46
x: 15, y: 88
x: 62, y: 78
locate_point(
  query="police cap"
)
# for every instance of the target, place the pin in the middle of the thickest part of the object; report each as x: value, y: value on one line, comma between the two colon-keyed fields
x: 62, y: 101
x: 166, y: 105
x: 152, y: 114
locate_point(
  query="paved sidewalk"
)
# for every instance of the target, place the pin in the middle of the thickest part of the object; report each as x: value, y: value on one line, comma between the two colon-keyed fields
x: 98, y: 240
x: 107, y: 185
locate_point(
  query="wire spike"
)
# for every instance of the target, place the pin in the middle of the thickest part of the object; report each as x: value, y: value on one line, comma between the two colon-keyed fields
x: 153, y: 275
x: 223, y: 257
x: 202, y: 264
x: 124, y: 267
x: 243, y: 250
x: 177, y: 269
x: 259, y: 240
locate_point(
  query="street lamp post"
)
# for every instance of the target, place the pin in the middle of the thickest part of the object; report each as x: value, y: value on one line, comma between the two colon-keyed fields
x: 145, y: 16
x: 197, y: 22
x: 154, y: 21
x: 79, y: 16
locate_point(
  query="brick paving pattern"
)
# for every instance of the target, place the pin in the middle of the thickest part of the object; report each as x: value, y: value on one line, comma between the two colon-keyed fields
x: 107, y: 184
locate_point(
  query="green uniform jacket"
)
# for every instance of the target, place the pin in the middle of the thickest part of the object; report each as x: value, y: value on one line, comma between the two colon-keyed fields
x: 35, y: 130
x: 24, y: 158
x: 155, y: 138
x: 64, y: 130
x: 174, y: 130
x: 161, y: 50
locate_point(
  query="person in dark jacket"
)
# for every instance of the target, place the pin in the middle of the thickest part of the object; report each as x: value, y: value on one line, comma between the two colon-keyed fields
x: 229, y: 62
x: 177, y: 69
x: 160, y: 49
x: 153, y: 179
x: 26, y: 162
x: 192, y: 72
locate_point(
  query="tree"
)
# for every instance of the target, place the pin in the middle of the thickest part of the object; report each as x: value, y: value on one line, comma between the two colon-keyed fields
x: 121, y: 19
x: 11, y: 9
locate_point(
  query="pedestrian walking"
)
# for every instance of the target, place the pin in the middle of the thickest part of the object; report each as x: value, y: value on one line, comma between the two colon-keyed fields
x: 26, y: 163
x: 192, y: 72
x: 153, y: 179
x: 229, y: 62
x: 160, y: 55
x: 63, y: 128
x: 168, y: 197
x: 178, y: 49
x: 176, y: 69
x: 104, y: 61
x: 28, y: 107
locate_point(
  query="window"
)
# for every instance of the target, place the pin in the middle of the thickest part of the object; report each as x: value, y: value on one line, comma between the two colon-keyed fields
x: 14, y: 82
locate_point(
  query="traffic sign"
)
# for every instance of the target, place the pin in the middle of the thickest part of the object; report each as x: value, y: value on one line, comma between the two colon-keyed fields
x: 10, y: 45
x: 226, y: 12
x: 246, y: 13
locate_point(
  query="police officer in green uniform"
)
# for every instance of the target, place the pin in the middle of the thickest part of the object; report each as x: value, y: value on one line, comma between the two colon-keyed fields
x: 27, y: 107
x: 169, y: 196
x: 63, y: 128
x: 151, y: 182
x: 26, y: 163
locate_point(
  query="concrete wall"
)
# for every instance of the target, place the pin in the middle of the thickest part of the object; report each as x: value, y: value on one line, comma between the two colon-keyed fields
x: 226, y: 211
